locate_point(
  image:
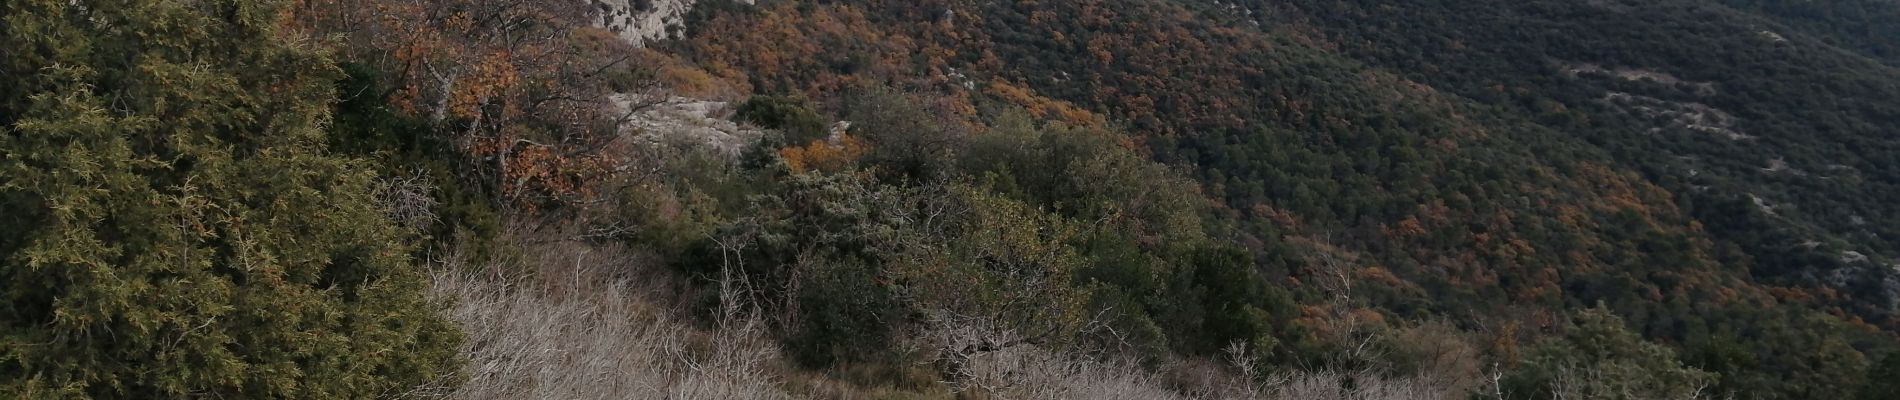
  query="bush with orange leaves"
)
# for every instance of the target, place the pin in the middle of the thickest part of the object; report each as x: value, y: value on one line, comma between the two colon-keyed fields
x: 524, y: 88
x: 826, y: 155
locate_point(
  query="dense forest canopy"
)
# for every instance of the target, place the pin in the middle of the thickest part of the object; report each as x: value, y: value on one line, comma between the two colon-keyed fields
x: 950, y: 199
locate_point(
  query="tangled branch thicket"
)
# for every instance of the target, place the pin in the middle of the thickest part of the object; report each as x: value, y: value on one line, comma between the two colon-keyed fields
x: 586, y: 322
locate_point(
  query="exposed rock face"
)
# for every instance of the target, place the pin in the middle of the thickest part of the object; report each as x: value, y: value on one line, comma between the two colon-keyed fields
x: 1693, y: 116
x: 640, y: 21
x: 680, y: 119
x: 1639, y: 75
x: 656, y: 118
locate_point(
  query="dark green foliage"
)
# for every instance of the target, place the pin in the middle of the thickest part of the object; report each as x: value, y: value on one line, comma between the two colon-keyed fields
x: 845, y: 316
x: 365, y: 125
x: 1868, y: 26
x: 1883, y: 380
x: 173, y: 227
x: 1238, y: 305
x: 908, y: 140
x: 1804, y: 186
x: 790, y: 116
x: 1148, y: 244
x: 793, y: 123
x: 1791, y: 203
x: 1034, y: 226
x: 813, y: 247
x: 1600, y: 358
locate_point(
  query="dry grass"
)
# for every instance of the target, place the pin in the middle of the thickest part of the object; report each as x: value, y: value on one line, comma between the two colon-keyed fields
x: 1337, y: 386
x: 570, y: 321
x: 564, y: 320
x: 1029, y: 373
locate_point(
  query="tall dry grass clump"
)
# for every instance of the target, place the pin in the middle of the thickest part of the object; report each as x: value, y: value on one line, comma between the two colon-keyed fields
x: 1029, y: 372
x: 567, y: 320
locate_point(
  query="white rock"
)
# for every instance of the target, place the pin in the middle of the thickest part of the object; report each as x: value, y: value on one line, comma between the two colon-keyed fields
x: 687, y: 119
x: 655, y: 22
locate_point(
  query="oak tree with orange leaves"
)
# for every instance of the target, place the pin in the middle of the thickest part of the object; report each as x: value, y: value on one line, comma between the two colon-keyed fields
x: 529, y: 91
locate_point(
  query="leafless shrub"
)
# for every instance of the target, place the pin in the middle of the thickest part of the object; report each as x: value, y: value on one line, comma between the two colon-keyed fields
x: 1202, y: 377
x: 407, y: 199
x: 1030, y: 372
x: 1326, y: 385
x: 579, y: 328
x: 1437, y: 354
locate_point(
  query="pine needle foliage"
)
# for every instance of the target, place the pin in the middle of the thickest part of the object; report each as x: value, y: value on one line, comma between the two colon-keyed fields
x: 170, y: 223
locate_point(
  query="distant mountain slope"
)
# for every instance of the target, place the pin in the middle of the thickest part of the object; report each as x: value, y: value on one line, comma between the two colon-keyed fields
x: 1778, y: 142
x: 1720, y: 179
x: 1871, y: 27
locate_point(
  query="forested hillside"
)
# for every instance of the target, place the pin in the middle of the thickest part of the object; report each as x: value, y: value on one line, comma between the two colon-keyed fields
x: 1294, y: 199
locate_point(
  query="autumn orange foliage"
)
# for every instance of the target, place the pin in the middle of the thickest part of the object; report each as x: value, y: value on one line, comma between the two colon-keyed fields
x: 520, y: 86
x: 1044, y: 107
x: 827, y: 155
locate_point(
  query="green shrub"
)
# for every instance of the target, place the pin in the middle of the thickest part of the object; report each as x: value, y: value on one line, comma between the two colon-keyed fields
x: 798, y: 122
x: 1600, y: 358
x: 173, y: 227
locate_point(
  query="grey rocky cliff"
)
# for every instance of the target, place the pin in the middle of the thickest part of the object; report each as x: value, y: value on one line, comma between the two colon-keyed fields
x: 642, y: 21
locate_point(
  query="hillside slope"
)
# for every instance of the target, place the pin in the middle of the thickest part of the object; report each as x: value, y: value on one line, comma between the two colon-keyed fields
x: 1718, y: 177
x: 950, y: 199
